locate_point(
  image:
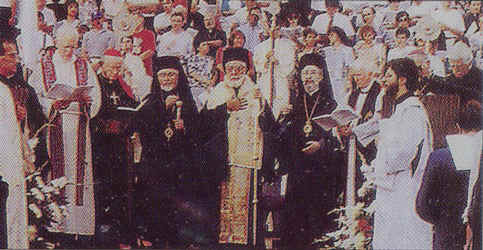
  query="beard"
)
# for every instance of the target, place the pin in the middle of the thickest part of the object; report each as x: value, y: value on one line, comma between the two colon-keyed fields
x: 167, y: 87
x: 235, y: 83
x: 392, y: 90
x: 311, y: 87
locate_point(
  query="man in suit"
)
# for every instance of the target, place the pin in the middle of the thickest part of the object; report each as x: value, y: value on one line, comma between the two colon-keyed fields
x: 449, y: 193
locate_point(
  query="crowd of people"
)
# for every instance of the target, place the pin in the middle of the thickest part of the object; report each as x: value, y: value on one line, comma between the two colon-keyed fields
x: 200, y: 124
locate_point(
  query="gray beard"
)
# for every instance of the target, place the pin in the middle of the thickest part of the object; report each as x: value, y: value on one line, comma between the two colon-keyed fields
x: 235, y: 83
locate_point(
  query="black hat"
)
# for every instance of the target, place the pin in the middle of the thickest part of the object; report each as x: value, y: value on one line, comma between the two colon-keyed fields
x: 235, y: 54
x: 166, y: 62
x: 312, y: 59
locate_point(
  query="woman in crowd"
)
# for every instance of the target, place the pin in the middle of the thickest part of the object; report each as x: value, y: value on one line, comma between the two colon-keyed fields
x: 201, y: 72
x: 339, y: 57
x: 310, y: 44
x: 235, y: 40
x: 370, y: 50
x: 72, y: 18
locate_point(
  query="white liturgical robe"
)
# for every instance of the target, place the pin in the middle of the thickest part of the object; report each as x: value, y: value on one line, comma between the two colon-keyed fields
x: 11, y: 169
x: 285, y: 55
x: 80, y: 217
x: 405, y: 139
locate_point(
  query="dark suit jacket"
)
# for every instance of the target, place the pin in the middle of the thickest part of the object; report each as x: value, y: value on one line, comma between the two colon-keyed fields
x: 442, y: 199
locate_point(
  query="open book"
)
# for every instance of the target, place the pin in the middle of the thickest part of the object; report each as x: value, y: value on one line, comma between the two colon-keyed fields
x: 336, y: 118
x: 62, y: 91
x: 134, y: 109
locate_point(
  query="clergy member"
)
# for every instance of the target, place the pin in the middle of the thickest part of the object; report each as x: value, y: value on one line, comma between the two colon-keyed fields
x: 11, y: 161
x: 404, y: 143
x: 69, y: 139
x: 314, y: 182
x: 109, y: 146
x: 235, y: 112
x: 281, y: 56
x: 167, y: 124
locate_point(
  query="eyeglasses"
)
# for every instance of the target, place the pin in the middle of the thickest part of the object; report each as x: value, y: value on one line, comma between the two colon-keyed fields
x: 167, y: 74
x: 402, y: 19
x: 235, y: 68
x: 310, y: 72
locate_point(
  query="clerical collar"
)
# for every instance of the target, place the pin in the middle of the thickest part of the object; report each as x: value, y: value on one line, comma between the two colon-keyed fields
x: 402, y: 98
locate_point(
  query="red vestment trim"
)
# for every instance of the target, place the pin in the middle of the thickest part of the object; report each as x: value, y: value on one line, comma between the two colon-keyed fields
x: 56, y: 142
x: 81, y: 77
x: 48, y: 72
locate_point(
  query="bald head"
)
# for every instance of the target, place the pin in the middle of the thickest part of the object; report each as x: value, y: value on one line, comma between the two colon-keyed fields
x: 362, y: 72
x: 460, y: 58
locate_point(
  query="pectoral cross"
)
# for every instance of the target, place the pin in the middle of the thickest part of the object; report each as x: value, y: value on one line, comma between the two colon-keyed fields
x: 114, y: 98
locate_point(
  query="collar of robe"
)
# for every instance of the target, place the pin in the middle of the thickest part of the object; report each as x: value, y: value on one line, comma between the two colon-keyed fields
x: 402, y: 98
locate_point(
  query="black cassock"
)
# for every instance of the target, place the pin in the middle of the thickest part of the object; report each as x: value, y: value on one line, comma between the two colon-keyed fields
x: 168, y: 171
x: 314, y: 181
x: 110, y: 133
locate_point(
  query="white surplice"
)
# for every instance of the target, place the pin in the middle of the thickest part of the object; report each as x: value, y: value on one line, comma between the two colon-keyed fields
x: 405, y: 136
x: 11, y: 169
x: 285, y: 55
x: 79, y: 219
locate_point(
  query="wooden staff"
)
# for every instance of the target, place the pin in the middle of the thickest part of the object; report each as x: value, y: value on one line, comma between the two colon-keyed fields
x: 255, y: 170
x: 272, y: 66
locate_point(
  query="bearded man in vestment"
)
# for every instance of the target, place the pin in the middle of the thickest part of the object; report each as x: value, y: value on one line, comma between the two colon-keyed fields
x: 404, y: 144
x: 167, y: 123
x: 236, y: 114
x: 314, y: 181
x: 69, y: 140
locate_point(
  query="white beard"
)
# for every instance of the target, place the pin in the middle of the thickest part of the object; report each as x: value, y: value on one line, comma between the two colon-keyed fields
x: 235, y: 83
x: 167, y: 88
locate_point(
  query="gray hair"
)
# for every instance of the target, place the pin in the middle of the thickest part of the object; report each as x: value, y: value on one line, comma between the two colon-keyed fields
x: 66, y: 31
x: 364, y: 65
x: 460, y: 51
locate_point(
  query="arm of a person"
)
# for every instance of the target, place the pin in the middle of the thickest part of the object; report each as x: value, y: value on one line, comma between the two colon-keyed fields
x: 260, y: 59
x: 402, y: 139
x: 427, y: 201
x: 35, y: 80
x: 150, y: 45
x: 95, y: 93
